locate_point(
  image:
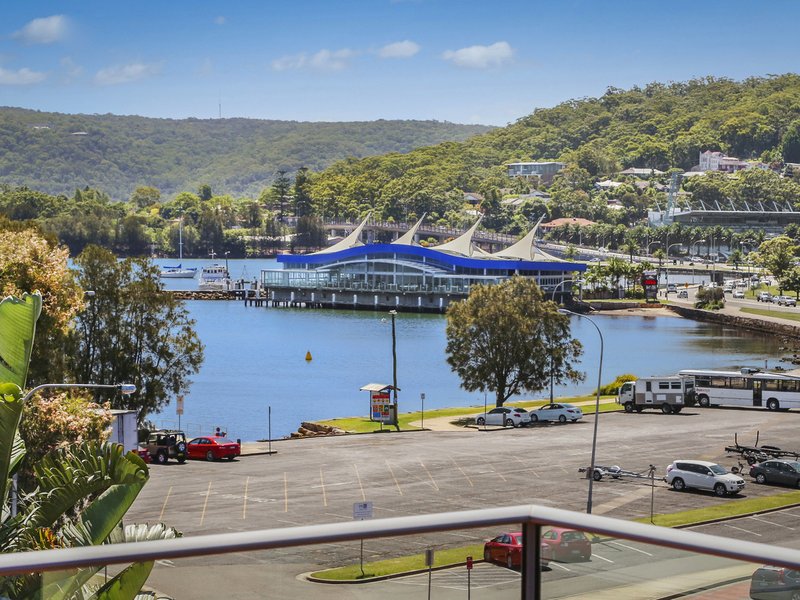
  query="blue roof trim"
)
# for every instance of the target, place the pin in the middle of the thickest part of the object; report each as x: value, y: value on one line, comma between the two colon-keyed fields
x: 420, y: 251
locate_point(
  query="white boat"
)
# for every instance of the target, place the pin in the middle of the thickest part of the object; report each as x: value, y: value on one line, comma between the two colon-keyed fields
x: 178, y: 272
x: 215, y: 278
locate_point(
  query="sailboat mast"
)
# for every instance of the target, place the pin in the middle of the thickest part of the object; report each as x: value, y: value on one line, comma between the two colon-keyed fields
x: 180, y: 239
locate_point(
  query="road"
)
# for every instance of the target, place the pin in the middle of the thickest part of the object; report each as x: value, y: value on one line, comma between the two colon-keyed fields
x: 318, y: 480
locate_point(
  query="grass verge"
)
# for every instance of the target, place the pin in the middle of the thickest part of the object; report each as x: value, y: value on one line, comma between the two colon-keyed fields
x: 453, y: 556
x: 789, y: 316
x: 364, y: 425
x: 734, y: 508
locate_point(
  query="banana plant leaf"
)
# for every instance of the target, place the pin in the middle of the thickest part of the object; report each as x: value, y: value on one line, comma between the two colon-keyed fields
x: 70, y: 476
x: 10, y: 443
x: 17, y: 327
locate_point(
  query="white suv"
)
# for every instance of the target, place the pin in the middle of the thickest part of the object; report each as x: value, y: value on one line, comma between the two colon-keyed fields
x: 703, y: 475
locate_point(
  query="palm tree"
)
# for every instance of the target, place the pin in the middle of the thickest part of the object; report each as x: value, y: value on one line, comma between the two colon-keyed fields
x: 630, y: 246
x: 82, y: 491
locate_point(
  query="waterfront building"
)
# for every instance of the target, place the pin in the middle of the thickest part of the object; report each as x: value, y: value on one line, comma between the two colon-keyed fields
x: 545, y: 171
x: 406, y: 275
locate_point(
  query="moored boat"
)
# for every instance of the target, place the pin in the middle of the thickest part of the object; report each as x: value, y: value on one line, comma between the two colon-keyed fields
x: 215, y: 278
x: 177, y: 272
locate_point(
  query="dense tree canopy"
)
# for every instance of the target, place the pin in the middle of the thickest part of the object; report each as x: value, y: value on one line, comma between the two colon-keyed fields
x: 508, y: 339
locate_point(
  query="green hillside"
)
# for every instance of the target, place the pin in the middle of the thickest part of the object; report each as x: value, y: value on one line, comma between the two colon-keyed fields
x: 57, y: 153
x: 657, y: 126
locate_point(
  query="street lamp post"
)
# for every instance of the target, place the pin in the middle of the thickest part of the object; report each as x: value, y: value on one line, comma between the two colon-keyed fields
x: 590, y: 473
x: 553, y: 298
x: 394, y: 368
x: 652, y: 244
x: 124, y: 388
x: 700, y: 241
x: 671, y: 245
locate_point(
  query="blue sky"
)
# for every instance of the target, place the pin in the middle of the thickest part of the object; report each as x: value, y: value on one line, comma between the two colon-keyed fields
x: 459, y: 61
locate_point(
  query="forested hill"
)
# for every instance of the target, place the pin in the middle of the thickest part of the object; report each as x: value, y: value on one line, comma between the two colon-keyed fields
x: 657, y: 126
x: 57, y: 153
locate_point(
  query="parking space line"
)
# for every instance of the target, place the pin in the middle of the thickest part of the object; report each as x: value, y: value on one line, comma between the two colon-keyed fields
x: 771, y: 523
x: 285, y: 493
x: 630, y: 548
x: 363, y: 496
x: 244, y: 500
x: 469, y: 481
x: 391, y: 471
x: 164, y: 506
x: 205, y: 505
x: 436, y: 487
x: 322, y: 485
x: 740, y: 529
x: 562, y: 567
x: 602, y: 558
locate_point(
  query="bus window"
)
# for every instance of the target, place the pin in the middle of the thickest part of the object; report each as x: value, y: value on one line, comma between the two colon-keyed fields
x: 675, y: 385
x: 663, y: 385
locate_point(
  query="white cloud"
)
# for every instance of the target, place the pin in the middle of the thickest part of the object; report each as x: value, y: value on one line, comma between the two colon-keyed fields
x: 72, y: 70
x: 404, y: 49
x: 46, y: 30
x: 324, y: 60
x: 22, y: 76
x: 125, y: 73
x: 481, y: 57
x: 220, y: 20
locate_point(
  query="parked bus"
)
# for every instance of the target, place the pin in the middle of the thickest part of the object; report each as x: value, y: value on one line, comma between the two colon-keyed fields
x: 748, y: 387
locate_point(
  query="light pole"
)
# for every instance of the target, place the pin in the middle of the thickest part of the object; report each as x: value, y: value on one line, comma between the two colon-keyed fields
x: 553, y: 298
x: 590, y: 473
x: 700, y: 241
x: 671, y: 245
x: 124, y: 388
x: 394, y: 368
x: 652, y: 244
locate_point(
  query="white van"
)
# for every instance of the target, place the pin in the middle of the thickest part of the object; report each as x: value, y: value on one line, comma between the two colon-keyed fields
x: 672, y: 288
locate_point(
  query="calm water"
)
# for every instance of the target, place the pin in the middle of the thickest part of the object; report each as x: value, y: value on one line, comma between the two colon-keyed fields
x: 255, y: 359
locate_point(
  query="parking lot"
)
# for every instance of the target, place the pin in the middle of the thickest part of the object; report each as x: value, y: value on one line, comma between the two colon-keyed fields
x: 318, y: 480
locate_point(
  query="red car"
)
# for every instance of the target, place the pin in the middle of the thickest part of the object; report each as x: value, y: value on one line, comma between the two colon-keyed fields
x: 213, y: 447
x: 566, y: 545
x: 506, y: 549
x: 144, y: 454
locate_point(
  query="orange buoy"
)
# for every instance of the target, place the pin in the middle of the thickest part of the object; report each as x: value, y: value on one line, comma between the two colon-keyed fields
x: 308, y: 356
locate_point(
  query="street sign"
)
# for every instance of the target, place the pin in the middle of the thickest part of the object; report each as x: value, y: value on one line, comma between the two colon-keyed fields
x: 362, y: 511
x: 469, y: 563
x: 179, y: 406
x: 429, y: 557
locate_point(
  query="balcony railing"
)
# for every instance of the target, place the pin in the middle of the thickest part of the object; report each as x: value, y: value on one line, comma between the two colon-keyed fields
x: 681, y: 571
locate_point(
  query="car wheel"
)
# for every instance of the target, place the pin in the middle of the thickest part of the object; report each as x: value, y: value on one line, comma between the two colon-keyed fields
x: 597, y: 475
x: 629, y: 407
x: 480, y: 420
x: 678, y: 484
x: 562, y: 419
x: 720, y: 490
x: 487, y: 556
x: 210, y: 456
x: 666, y: 409
x: 534, y: 419
x: 773, y: 404
x: 509, y: 561
x: 761, y: 478
x: 509, y: 422
x: 796, y: 595
x: 231, y: 457
x: 181, y: 460
x: 161, y: 458
x: 703, y: 401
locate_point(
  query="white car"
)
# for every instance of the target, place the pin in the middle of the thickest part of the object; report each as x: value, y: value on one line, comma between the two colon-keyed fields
x: 505, y: 416
x: 556, y: 412
x: 703, y: 475
x: 738, y: 294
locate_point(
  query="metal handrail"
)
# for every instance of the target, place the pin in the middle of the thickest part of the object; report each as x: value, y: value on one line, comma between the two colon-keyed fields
x: 527, y: 515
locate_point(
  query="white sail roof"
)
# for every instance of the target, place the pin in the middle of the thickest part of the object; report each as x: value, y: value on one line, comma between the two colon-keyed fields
x: 462, y: 244
x: 408, y: 237
x: 351, y: 241
x: 525, y: 248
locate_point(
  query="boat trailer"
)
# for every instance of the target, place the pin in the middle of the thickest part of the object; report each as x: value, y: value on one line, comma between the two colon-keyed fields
x: 756, y: 453
x: 617, y: 472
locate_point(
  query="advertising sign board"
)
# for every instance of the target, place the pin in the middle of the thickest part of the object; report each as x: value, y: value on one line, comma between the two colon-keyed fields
x: 381, y: 406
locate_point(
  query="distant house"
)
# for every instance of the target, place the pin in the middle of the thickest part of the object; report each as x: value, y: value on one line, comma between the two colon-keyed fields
x: 718, y: 161
x: 519, y: 200
x: 472, y: 198
x: 608, y: 184
x: 566, y: 221
x: 545, y: 171
x: 643, y: 173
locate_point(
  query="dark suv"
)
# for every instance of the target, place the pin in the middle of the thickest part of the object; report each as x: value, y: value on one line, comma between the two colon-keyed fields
x: 165, y: 444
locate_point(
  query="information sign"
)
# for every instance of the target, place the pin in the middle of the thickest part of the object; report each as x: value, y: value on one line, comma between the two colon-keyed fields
x: 362, y: 511
x: 381, y: 406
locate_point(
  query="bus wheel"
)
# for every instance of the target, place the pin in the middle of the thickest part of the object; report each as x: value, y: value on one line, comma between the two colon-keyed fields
x: 677, y: 409
x: 703, y: 401
x: 639, y: 409
x: 773, y: 404
x: 666, y: 408
x: 629, y: 407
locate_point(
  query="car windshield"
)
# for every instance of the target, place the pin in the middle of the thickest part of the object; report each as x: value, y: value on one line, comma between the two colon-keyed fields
x: 794, y: 465
x: 570, y: 536
x: 717, y: 470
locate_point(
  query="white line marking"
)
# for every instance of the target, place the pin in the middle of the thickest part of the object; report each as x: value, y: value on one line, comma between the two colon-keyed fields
x: 771, y: 523
x: 555, y: 564
x: 601, y: 558
x: 630, y: 548
x: 740, y: 529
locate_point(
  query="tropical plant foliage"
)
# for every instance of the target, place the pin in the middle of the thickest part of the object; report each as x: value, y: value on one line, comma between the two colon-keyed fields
x: 82, y: 491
